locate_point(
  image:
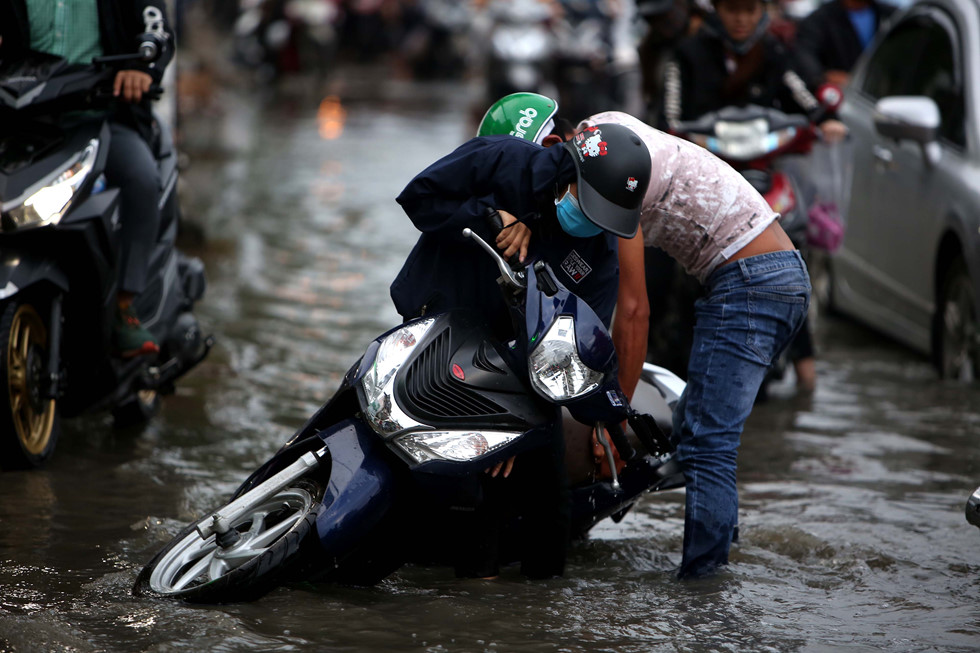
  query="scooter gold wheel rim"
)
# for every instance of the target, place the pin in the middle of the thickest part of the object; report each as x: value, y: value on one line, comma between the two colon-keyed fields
x: 33, y: 418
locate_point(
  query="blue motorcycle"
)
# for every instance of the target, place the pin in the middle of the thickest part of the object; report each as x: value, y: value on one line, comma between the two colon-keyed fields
x: 364, y: 486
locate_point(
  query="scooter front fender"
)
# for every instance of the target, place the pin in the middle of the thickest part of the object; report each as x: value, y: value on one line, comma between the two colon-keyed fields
x: 27, y: 269
x: 360, y: 491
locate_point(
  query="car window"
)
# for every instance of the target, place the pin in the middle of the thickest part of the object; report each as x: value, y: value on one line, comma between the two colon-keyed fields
x: 918, y: 58
x: 935, y: 77
x: 889, y: 66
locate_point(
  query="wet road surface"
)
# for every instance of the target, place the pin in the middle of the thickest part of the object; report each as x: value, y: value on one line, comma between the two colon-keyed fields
x: 852, y: 528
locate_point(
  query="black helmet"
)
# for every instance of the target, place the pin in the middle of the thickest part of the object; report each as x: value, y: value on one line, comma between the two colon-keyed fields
x: 613, y: 167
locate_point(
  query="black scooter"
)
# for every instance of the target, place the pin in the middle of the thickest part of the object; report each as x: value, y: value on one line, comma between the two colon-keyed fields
x: 372, y: 480
x: 59, y: 250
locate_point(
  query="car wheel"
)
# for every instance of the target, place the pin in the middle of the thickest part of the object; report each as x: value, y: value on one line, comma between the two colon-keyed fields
x: 822, y: 284
x: 959, y: 333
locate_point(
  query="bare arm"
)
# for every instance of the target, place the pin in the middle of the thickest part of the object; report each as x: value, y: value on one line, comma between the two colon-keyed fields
x: 632, y: 320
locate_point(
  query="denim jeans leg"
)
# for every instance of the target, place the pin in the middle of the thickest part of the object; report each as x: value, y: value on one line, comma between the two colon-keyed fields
x: 752, y: 310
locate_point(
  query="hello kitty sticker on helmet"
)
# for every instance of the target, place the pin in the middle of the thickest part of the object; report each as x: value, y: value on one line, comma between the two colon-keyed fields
x: 589, y: 143
x: 631, y: 184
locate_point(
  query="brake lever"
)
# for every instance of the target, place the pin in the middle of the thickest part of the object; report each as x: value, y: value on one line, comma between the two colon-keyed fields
x: 517, y: 279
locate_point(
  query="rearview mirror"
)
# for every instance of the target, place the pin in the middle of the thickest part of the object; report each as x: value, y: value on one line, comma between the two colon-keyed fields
x: 913, y: 118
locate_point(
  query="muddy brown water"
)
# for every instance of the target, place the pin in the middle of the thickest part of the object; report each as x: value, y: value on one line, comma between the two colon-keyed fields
x: 853, y: 535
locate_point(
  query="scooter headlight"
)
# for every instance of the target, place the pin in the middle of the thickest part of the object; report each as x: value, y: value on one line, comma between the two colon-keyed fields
x: 380, y: 409
x: 48, y: 204
x: 459, y: 446
x: 742, y: 140
x: 557, y: 371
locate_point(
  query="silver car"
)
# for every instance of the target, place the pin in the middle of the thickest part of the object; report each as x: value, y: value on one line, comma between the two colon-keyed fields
x: 910, y: 262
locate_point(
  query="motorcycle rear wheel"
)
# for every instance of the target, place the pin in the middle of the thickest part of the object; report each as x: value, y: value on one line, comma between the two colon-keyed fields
x: 29, y: 423
x: 273, y: 539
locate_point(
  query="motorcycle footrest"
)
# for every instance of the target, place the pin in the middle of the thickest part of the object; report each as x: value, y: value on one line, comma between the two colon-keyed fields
x: 161, y: 378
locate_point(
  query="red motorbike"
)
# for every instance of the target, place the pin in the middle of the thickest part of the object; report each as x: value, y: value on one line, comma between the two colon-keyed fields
x: 753, y: 140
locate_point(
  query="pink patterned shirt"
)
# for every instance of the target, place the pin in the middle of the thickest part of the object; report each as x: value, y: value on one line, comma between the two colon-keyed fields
x: 697, y: 208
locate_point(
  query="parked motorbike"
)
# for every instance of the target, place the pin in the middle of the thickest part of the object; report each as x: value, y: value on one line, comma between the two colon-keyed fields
x: 437, y: 41
x: 583, y: 71
x: 521, y: 48
x: 756, y: 141
x: 59, y: 248
x: 369, y: 483
x: 277, y: 37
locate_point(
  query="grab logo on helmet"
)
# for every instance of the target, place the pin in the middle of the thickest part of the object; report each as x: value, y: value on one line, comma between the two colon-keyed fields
x: 589, y: 142
x: 527, y: 119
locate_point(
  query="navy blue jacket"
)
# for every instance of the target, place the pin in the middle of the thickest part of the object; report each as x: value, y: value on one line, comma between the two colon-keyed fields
x: 445, y: 271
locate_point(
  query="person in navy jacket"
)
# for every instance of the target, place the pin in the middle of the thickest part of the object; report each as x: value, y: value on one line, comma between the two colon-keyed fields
x: 566, y: 204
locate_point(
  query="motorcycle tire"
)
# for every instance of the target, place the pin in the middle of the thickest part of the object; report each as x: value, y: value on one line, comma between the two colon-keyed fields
x: 274, y: 539
x: 29, y: 423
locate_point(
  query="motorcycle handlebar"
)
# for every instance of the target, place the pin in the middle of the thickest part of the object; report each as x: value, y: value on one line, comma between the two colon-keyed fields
x: 496, y: 224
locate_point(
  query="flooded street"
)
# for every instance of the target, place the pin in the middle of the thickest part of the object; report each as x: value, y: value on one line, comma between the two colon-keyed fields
x: 852, y: 528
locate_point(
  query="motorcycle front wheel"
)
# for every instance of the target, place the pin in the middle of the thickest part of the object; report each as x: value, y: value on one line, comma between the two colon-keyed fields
x: 269, y: 543
x: 29, y: 422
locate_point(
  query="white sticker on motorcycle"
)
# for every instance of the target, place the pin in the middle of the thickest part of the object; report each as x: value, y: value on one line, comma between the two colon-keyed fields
x: 575, y: 266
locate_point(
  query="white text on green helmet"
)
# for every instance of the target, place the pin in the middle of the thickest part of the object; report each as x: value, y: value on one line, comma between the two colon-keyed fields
x: 527, y: 119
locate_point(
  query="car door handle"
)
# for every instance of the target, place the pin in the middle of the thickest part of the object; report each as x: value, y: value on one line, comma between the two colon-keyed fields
x: 883, y: 155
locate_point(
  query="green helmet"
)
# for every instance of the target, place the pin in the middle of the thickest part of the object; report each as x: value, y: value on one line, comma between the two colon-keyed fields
x: 526, y: 115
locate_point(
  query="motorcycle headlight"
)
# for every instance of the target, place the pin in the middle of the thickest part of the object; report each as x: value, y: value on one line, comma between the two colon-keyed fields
x: 742, y: 140
x: 49, y: 203
x: 381, y: 410
x: 557, y: 371
x: 459, y: 446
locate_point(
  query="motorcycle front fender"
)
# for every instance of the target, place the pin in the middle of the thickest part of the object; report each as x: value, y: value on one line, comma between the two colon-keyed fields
x: 360, y: 491
x: 20, y: 271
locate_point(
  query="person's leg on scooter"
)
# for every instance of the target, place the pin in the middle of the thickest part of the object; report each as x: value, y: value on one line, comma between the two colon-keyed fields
x: 132, y: 168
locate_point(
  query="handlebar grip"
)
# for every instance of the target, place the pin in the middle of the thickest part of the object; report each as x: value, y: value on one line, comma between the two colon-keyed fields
x: 494, y: 221
x: 496, y: 224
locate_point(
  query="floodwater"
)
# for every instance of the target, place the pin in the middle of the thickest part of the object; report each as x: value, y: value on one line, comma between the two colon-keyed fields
x: 852, y: 529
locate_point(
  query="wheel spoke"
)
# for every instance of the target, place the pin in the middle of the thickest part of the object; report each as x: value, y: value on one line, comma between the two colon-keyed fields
x: 271, y: 535
x: 218, y: 567
x: 243, y: 555
x: 194, y: 572
x: 17, y: 377
x: 24, y: 343
x: 258, y: 523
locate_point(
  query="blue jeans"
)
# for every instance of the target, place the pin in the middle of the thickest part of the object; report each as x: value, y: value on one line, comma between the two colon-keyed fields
x: 752, y: 310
